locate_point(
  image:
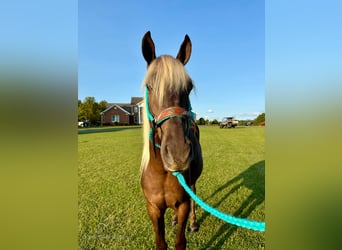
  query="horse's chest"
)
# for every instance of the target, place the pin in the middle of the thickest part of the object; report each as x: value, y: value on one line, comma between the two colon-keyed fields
x: 173, y: 193
x: 166, y: 193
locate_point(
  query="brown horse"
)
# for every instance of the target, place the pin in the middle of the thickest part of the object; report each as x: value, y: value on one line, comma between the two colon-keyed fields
x: 171, y: 141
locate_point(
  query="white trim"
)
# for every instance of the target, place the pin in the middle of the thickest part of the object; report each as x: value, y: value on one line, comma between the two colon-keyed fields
x: 140, y: 105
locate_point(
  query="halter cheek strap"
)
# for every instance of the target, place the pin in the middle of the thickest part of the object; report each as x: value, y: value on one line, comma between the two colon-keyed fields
x: 149, y: 115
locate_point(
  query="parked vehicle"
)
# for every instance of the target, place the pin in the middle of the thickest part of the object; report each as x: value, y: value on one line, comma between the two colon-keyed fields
x: 83, y: 124
x: 228, y: 122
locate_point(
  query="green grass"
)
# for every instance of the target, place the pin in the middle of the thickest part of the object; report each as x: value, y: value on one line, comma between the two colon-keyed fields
x: 112, y: 212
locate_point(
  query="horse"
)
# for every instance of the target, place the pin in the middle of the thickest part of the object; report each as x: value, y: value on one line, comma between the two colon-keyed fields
x: 171, y: 141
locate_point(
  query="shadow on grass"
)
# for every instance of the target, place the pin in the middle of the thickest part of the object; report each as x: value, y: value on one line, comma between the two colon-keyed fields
x: 254, y: 179
x: 104, y: 130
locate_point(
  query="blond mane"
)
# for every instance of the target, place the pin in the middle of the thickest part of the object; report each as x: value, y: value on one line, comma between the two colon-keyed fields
x: 164, y: 75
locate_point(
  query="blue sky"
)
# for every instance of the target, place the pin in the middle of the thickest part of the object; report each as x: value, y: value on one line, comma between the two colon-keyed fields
x: 226, y: 65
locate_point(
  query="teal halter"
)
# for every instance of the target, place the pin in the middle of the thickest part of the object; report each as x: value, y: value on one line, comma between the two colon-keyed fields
x: 168, y: 113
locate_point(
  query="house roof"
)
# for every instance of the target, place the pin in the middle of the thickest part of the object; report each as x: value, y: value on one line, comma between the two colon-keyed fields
x: 136, y: 100
x: 139, y: 104
x: 119, y: 106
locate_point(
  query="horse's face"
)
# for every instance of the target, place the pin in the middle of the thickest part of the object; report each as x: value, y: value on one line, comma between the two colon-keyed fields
x: 169, y: 87
x: 172, y: 127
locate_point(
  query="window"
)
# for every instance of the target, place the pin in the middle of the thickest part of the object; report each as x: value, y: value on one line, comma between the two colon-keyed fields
x: 115, y: 118
x: 136, y: 109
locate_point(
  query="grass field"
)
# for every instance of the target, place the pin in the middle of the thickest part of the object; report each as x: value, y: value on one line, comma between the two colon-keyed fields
x: 112, y: 212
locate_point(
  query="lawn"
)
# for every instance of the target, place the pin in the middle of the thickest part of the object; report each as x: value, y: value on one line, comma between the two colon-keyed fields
x: 112, y: 213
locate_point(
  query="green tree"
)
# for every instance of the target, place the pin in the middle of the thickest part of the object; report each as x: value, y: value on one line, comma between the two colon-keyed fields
x: 102, y: 106
x: 82, y: 114
x: 260, y: 118
x: 201, y: 121
x: 214, y: 122
x: 242, y: 122
x: 90, y: 110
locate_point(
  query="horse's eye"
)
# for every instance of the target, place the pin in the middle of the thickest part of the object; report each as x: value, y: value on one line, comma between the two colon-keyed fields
x: 148, y: 87
x: 190, y: 86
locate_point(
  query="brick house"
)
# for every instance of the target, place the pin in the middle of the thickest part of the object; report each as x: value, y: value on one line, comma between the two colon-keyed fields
x: 123, y: 113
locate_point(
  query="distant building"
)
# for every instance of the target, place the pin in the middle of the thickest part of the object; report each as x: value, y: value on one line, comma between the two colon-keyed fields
x: 123, y: 113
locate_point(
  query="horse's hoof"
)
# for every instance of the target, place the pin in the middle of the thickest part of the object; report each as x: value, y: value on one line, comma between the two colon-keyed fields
x: 194, y: 228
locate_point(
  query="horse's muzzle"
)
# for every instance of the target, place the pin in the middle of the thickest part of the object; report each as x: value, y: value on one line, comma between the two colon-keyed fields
x: 176, y: 155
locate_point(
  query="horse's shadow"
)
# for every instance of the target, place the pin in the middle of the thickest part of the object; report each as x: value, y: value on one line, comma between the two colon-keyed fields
x: 254, y: 179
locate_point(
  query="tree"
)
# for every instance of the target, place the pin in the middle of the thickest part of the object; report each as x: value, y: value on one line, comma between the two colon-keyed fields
x: 214, y: 122
x: 90, y: 110
x: 201, y: 121
x: 260, y: 118
x: 242, y: 122
x: 102, y: 105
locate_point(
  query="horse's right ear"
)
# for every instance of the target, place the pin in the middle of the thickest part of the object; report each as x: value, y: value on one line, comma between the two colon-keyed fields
x: 148, y: 48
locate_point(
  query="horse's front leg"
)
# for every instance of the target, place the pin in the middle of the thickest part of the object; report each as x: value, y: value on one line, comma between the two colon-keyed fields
x: 193, y: 224
x: 182, y: 217
x: 157, y: 217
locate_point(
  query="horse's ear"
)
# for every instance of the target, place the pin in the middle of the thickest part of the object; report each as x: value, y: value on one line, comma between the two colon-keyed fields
x: 185, y: 50
x: 148, y: 49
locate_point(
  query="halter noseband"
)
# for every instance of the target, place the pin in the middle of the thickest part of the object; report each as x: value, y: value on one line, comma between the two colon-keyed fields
x: 168, y: 113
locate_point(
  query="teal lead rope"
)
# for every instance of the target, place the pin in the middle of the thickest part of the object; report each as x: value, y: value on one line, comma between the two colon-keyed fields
x: 254, y: 225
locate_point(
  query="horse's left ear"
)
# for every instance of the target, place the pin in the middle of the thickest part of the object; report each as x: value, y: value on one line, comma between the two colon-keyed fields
x: 185, y: 50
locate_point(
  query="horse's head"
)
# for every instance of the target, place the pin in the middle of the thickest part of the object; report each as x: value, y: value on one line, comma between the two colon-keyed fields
x: 167, y: 103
